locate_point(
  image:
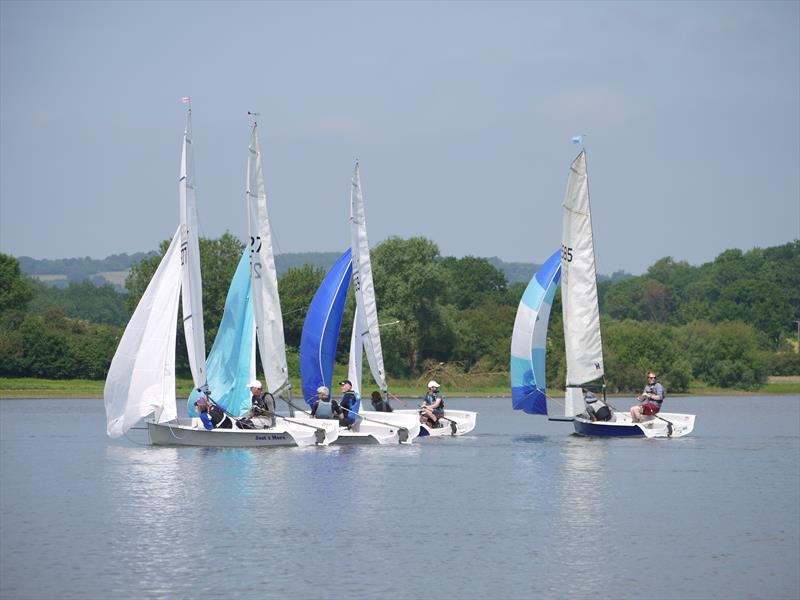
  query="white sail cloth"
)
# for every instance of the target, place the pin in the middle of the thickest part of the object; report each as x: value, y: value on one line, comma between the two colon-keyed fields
x: 581, y: 312
x: 264, y: 276
x: 366, y: 330
x: 192, y: 287
x: 141, y: 379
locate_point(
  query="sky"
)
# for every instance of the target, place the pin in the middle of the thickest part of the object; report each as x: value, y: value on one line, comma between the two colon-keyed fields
x: 461, y: 115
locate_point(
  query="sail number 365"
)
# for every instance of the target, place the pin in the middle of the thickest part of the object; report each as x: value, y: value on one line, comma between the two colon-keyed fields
x: 566, y: 253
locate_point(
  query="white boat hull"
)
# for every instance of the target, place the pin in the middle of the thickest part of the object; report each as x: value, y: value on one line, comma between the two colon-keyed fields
x: 621, y: 425
x: 456, y: 422
x: 381, y: 428
x: 299, y: 432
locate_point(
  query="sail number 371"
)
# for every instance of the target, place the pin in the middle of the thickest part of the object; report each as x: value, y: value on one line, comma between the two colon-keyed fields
x: 566, y: 253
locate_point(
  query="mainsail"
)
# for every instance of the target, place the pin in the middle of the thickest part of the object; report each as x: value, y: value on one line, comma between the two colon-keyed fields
x: 141, y: 378
x: 192, y: 289
x: 366, y: 333
x: 321, y: 328
x: 529, y: 339
x: 231, y: 362
x: 581, y: 312
x: 264, y: 277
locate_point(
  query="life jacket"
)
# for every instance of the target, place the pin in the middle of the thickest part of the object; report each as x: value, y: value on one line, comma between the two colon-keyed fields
x: 324, y: 409
x: 218, y: 418
x: 354, y: 401
x: 599, y: 409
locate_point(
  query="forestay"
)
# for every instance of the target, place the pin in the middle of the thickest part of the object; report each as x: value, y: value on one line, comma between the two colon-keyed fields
x: 264, y: 277
x: 192, y: 288
x: 141, y: 378
x: 581, y: 313
x: 528, y: 340
x: 321, y: 328
x: 366, y: 330
x: 231, y: 362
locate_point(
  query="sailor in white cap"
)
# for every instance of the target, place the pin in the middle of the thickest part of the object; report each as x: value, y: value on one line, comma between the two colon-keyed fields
x: 262, y: 404
x: 433, y: 408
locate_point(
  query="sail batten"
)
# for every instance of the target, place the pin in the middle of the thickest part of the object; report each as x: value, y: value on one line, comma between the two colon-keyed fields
x: 584, y: 349
x: 263, y: 274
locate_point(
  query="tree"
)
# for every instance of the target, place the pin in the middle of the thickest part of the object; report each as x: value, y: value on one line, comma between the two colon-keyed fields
x: 410, y: 284
x: 472, y: 281
x: 16, y: 290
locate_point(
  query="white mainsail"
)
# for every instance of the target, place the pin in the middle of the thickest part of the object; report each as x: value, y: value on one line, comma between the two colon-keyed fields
x: 141, y: 378
x: 264, y: 276
x: 365, y: 322
x: 192, y: 289
x: 581, y: 312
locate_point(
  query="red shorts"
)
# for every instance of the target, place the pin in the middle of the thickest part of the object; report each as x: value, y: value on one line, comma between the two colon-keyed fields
x: 650, y: 409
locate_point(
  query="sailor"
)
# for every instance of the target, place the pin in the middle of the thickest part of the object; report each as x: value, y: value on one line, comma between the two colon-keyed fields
x: 323, y: 407
x: 433, y: 408
x: 651, y: 398
x: 262, y: 404
x: 379, y: 403
x: 211, y: 415
x: 595, y: 408
x: 348, y: 405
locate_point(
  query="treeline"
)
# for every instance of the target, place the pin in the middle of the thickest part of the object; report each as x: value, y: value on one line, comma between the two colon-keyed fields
x: 729, y: 323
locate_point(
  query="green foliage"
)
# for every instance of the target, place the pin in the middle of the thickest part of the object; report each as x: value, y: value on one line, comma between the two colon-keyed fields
x: 16, y: 290
x: 728, y: 355
x: 631, y: 348
x: 83, y: 300
x: 55, y: 346
x: 472, y: 281
x: 785, y: 363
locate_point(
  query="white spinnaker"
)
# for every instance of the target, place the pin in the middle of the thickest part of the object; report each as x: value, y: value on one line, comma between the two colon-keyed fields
x: 363, y: 285
x: 581, y: 312
x: 354, y: 367
x: 192, y: 289
x: 264, y: 276
x: 141, y: 378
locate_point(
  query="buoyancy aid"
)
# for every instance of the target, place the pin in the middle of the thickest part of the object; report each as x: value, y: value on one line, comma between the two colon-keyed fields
x: 324, y: 409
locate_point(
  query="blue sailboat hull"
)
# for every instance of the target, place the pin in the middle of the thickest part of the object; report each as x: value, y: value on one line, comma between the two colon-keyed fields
x: 606, y: 428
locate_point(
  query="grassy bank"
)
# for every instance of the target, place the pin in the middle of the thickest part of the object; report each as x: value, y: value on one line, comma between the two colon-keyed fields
x: 493, y: 386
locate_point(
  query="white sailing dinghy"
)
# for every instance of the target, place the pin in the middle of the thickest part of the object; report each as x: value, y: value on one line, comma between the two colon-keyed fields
x: 584, y: 349
x: 141, y: 378
x: 372, y: 426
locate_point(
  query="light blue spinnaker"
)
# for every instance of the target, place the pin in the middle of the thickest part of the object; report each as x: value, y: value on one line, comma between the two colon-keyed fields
x: 530, y: 336
x: 321, y: 328
x: 231, y: 363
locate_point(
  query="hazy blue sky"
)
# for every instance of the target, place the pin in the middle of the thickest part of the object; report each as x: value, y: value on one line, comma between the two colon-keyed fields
x: 460, y: 113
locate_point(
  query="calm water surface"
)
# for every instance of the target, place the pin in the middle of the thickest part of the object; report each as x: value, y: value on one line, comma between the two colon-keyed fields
x: 519, y: 509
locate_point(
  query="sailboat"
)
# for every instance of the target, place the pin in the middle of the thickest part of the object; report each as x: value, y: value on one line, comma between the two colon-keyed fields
x: 582, y: 337
x: 321, y: 334
x: 141, y: 379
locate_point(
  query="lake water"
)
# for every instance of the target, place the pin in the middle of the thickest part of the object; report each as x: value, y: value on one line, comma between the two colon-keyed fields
x: 521, y: 508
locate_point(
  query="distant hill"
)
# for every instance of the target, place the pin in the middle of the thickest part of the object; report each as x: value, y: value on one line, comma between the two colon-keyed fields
x: 114, y: 269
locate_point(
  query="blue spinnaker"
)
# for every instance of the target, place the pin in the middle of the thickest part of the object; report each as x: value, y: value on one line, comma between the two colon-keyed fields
x: 530, y: 337
x: 230, y: 365
x: 321, y: 328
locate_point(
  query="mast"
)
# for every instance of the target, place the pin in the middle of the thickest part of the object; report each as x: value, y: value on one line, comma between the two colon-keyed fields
x: 365, y: 322
x: 192, y: 284
x: 580, y: 307
x: 264, y: 276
